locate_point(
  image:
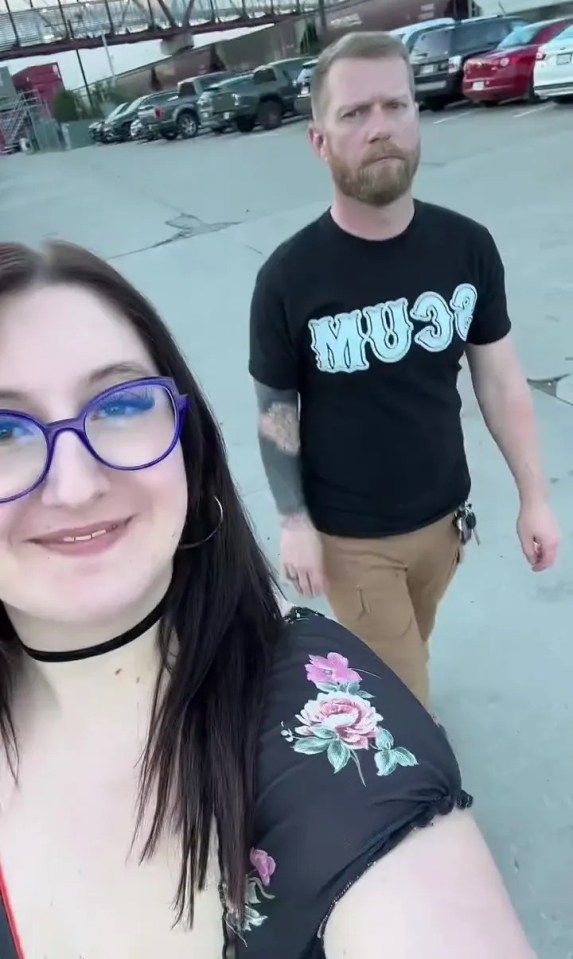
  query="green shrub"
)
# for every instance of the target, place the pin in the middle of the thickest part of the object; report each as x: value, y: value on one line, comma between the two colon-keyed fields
x: 67, y: 107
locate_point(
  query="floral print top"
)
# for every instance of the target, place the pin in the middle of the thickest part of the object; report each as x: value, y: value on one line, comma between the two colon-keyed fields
x: 349, y: 764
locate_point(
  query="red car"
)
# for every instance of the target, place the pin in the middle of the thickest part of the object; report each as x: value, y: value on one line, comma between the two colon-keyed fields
x: 507, y: 72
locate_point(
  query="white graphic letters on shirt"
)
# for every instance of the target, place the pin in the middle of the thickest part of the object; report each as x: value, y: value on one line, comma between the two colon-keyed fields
x: 339, y: 342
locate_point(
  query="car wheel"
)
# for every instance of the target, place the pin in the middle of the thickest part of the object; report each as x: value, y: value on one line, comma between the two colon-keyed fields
x: 270, y: 115
x: 188, y: 125
x: 245, y: 124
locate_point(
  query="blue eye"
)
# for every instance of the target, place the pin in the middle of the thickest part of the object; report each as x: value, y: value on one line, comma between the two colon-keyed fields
x: 16, y: 430
x: 124, y: 405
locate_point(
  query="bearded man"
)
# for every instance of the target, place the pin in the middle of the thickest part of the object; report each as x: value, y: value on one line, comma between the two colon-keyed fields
x: 358, y: 326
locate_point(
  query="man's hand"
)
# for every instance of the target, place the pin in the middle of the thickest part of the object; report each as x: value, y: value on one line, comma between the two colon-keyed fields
x: 301, y: 556
x: 538, y: 534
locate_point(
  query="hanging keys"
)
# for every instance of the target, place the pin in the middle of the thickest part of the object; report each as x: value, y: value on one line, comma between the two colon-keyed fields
x: 466, y: 522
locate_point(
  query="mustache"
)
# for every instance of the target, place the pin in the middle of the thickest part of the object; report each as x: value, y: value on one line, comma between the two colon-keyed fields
x: 390, y: 153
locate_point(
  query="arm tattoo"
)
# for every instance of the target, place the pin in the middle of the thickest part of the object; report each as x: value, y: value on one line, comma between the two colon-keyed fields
x: 279, y: 441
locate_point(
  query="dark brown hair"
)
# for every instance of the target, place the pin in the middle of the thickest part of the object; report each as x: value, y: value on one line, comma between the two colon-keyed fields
x: 199, y: 765
x: 362, y: 45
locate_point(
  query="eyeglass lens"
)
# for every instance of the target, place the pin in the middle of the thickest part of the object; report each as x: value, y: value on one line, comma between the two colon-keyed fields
x: 129, y: 428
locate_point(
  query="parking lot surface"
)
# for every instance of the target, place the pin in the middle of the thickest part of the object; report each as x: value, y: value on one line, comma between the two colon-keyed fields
x: 190, y: 223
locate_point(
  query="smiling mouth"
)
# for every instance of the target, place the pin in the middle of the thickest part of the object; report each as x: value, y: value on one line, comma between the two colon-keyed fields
x: 87, y: 537
x: 84, y: 535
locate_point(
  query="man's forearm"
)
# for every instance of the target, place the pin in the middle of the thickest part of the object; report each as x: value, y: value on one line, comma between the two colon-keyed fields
x: 509, y: 415
x: 279, y: 441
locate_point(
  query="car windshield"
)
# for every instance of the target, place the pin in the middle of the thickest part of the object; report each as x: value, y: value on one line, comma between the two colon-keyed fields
x: 186, y: 88
x: 434, y: 43
x: 117, y: 111
x: 520, y: 37
x: 208, y: 82
x: 233, y: 83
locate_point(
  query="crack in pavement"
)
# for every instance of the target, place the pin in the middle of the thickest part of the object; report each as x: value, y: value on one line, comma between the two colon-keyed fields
x: 186, y: 227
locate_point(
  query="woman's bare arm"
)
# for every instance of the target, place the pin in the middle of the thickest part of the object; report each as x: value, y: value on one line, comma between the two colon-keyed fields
x: 438, y: 895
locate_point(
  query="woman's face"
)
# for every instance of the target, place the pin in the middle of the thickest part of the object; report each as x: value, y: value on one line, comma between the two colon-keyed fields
x: 60, y: 347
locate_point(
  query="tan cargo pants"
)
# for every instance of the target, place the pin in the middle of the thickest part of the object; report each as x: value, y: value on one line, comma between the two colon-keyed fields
x: 387, y: 592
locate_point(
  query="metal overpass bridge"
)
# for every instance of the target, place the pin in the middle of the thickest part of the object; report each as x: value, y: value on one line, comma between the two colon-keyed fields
x: 40, y: 27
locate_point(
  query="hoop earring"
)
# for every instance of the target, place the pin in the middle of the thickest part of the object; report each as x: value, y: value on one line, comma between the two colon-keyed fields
x: 213, y: 531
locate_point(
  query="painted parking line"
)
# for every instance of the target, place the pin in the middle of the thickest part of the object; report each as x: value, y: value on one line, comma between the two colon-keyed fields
x: 455, y: 116
x: 538, y: 108
x: 476, y: 112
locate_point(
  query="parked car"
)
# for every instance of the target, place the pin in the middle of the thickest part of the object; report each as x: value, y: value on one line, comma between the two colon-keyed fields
x: 438, y: 57
x: 140, y: 130
x: 216, y: 105
x: 302, y: 88
x: 507, y: 72
x: 96, y: 131
x: 408, y: 35
x: 268, y: 97
x: 553, y: 72
x: 179, y: 114
x: 117, y: 126
x: 97, y: 128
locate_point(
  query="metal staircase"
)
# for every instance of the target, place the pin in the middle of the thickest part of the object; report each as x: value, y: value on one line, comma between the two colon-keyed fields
x: 20, y: 117
x: 13, y: 123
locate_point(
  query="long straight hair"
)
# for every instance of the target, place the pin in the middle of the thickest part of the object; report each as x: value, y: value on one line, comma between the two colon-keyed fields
x: 198, y: 769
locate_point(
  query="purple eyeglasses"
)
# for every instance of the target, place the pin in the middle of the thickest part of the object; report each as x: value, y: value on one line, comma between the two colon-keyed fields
x: 128, y: 427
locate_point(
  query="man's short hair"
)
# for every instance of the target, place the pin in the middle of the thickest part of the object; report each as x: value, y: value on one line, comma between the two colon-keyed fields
x: 363, y: 45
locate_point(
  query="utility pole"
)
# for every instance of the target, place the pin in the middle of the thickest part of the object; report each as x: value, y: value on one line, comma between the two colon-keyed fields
x: 84, y: 78
x: 323, y: 25
x: 108, y: 55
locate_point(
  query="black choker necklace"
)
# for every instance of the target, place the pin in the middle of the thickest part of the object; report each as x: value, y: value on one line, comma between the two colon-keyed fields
x: 100, y: 649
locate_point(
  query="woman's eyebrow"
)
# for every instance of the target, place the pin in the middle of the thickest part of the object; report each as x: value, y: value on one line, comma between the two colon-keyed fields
x: 96, y: 376
x: 118, y: 369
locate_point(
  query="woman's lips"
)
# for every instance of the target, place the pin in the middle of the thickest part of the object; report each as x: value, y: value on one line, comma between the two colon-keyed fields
x: 84, y: 540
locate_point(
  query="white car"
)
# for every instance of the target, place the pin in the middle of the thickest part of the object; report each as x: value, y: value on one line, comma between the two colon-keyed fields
x: 553, y: 71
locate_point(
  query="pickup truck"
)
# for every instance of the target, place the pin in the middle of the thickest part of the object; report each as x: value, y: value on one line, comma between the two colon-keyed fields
x: 267, y: 96
x: 179, y: 115
x: 216, y: 106
x: 302, y: 102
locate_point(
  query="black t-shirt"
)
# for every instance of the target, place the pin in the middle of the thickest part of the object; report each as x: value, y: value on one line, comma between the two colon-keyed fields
x: 371, y: 334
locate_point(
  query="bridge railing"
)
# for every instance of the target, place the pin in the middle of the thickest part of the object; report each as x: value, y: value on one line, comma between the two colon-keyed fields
x: 115, y: 17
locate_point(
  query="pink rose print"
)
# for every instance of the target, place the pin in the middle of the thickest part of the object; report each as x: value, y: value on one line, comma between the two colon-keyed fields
x: 264, y: 864
x: 341, y: 721
x: 333, y: 668
x: 352, y: 718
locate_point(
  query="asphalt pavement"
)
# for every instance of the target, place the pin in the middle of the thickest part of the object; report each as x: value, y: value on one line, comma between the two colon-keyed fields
x: 191, y: 222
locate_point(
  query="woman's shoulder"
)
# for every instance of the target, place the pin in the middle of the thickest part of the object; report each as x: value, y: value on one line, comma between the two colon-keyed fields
x: 349, y: 763
x: 331, y: 694
x: 308, y: 638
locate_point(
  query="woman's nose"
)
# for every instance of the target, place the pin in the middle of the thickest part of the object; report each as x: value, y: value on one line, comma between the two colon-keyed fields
x: 75, y: 477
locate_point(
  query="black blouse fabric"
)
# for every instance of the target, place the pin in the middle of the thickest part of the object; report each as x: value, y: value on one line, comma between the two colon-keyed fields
x: 350, y: 763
